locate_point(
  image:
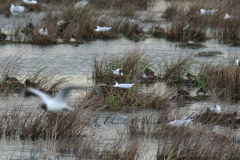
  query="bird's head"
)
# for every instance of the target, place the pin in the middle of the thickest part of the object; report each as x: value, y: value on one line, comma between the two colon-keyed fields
x: 44, y: 107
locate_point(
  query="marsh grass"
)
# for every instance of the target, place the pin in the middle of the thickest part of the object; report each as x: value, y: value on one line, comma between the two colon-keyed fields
x: 224, y: 77
x: 12, y: 67
x: 175, y: 71
x: 117, y: 4
x: 209, y: 117
x: 127, y: 99
x: 5, y: 6
x: 32, y: 7
x: 191, y: 142
x: 35, y: 123
x: 133, y: 63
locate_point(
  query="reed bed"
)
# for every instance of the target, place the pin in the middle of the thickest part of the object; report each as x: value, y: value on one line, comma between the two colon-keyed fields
x: 127, y: 99
x: 133, y: 64
x: 13, y: 77
x: 117, y: 4
x: 191, y: 142
x: 223, y: 78
x: 176, y: 70
x: 35, y: 123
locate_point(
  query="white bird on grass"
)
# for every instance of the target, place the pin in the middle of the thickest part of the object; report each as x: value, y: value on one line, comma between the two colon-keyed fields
x: 227, y: 16
x: 182, y: 122
x: 30, y: 1
x: 117, y: 72
x: 81, y: 4
x: 237, y: 61
x: 169, y: 5
x: 102, y: 29
x: 216, y: 109
x: 61, y: 22
x: 58, y: 103
x: 185, y: 27
x: 129, y: 85
x: 208, y: 12
x: 15, y: 10
x: 43, y: 32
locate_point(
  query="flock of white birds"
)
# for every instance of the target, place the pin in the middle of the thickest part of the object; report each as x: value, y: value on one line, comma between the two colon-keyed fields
x: 16, y: 10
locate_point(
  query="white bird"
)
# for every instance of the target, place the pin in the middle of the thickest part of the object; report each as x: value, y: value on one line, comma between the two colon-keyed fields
x: 102, y: 29
x: 208, y: 12
x: 236, y: 62
x: 216, y: 109
x: 58, y: 103
x: 124, y: 85
x: 185, y: 27
x: 182, y: 122
x: 133, y: 21
x: 169, y: 5
x: 81, y: 4
x: 61, y: 22
x: 15, y: 10
x: 227, y: 16
x: 43, y: 32
x: 117, y: 72
x: 30, y: 1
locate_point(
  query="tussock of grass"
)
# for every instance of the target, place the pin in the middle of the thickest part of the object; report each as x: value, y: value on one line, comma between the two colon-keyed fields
x: 222, y: 77
x: 119, y: 98
x: 217, y: 119
x: 32, y: 7
x: 36, y: 123
x: 175, y: 71
x: 133, y: 63
x: 12, y: 67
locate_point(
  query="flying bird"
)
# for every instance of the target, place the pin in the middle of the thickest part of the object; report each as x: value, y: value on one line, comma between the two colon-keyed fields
x: 58, y: 103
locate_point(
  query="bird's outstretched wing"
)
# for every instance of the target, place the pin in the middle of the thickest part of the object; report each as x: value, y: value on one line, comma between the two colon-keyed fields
x: 63, y: 93
x: 41, y: 94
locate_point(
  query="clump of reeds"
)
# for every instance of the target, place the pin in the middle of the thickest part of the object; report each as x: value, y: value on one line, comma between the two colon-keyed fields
x: 177, y: 32
x: 133, y: 63
x: 120, y: 4
x: 36, y: 123
x: 176, y: 70
x: 11, y: 81
x: 170, y: 12
x: 113, y: 98
x: 33, y: 7
x: 36, y: 38
x: 5, y: 6
x: 120, y: 149
x: 222, y: 77
x: 210, y: 117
